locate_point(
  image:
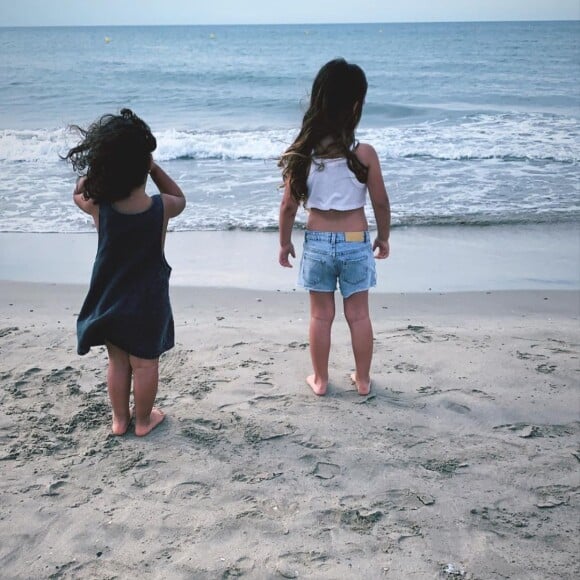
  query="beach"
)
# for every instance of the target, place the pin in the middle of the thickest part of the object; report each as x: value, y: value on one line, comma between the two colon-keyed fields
x: 462, y: 463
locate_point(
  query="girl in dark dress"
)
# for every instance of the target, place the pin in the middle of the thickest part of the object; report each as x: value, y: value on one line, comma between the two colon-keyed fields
x: 127, y: 306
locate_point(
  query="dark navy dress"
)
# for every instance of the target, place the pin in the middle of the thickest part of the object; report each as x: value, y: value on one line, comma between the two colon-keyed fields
x: 128, y: 299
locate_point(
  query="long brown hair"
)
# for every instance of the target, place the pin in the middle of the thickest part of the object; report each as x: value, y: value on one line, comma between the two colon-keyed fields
x: 336, y: 101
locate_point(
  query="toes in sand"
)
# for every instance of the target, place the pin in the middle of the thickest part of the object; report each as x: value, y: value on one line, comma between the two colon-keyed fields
x: 319, y: 389
x: 155, y: 418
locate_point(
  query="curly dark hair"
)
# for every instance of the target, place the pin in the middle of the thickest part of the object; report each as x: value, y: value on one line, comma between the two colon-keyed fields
x: 114, y: 156
x: 336, y: 102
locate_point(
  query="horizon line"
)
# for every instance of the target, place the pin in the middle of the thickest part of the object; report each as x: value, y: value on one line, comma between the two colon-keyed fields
x: 498, y: 21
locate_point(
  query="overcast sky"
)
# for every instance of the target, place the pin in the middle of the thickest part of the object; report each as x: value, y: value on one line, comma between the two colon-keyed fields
x: 134, y: 12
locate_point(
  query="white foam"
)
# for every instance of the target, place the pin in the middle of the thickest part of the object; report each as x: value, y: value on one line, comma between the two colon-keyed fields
x: 221, y: 145
x: 528, y: 136
x: 505, y: 136
x: 478, y: 169
x: 33, y: 146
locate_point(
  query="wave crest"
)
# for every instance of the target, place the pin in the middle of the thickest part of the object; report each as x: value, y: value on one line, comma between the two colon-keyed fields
x: 520, y: 137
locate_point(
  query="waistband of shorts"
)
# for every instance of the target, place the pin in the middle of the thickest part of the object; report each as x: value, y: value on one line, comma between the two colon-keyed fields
x: 333, y: 237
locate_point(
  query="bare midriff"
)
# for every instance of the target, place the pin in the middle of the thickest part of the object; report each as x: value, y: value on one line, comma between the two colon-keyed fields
x: 333, y: 220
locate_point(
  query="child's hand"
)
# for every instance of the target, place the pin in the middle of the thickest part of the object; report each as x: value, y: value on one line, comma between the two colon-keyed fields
x: 80, y: 186
x: 383, y: 249
x: 285, y: 251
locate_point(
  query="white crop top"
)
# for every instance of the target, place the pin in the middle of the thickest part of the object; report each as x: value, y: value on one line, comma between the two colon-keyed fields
x: 334, y: 186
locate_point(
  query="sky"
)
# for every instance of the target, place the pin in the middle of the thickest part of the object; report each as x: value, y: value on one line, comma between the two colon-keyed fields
x: 147, y: 12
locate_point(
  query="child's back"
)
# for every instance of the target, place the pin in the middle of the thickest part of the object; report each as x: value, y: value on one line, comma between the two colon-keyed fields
x: 128, y: 300
x: 127, y: 307
x: 328, y: 171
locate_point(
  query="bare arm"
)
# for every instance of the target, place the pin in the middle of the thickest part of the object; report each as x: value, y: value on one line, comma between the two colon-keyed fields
x: 288, y: 209
x: 86, y: 205
x: 379, y: 199
x: 173, y: 198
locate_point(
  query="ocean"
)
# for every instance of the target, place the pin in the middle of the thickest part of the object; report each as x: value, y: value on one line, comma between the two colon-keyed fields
x: 475, y: 123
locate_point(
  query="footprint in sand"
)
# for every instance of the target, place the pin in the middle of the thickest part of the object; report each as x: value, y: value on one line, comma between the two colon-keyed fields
x: 527, y: 431
x: 522, y: 430
x: 528, y: 355
x: 360, y: 520
x: 8, y: 330
x: 324, y: 470
x: 250, y: 363
x: 31, y: 372
x: 546, y: 368
x: 500, y: 521
x: 270, y: 401
x: 149, y: 477
x: 405, y: 367
x: 240, y: 567
x: 481, y: 394
x: 420, y: 333
x: 15, y: 389
x: 67, y: 375
x: 453, y: 571
x: 456, y: 407
x: 279, y: 507
x: 257, y: 477
x: 313, y: 442
x: 552, y: 496
x: 300, y: 564
x: 444, y: 466
x: 128, y: 460
x: 255, y: 434
x: 300, y: 345
x: 52, y: 489
x: 400, y: 399
x: 204, y: 432
x: 428, y: 390
x: 401, y: 500
x: 189, y: 489
x: 93, y: 414
x: 263, y: 378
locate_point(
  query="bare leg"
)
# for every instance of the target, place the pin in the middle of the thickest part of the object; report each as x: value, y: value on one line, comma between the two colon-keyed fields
x: 119, y: 388
x: 321, y: 317
x: 145, y: 381
x: 356, y: 311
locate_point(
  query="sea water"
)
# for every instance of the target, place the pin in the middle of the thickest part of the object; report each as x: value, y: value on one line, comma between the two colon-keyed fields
x: 474, y: 123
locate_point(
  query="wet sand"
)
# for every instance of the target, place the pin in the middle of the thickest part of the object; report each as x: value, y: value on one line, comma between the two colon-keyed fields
x: 423, y: 259
x: 463, y: 462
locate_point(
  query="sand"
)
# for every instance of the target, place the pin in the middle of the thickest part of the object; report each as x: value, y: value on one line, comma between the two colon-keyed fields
x: 425, y: 259
x: 462, y: 463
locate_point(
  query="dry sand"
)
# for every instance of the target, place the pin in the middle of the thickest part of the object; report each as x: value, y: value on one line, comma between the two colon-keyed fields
x: 462, y: 463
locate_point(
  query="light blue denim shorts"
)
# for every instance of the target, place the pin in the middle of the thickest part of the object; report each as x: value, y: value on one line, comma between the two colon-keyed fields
x: 328, y: 258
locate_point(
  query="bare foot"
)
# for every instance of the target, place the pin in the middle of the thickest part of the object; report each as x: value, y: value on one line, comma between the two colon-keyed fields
x: 120, y: 426
x: 155, y: 418
x: 319, y: 389
x: 363, y: 388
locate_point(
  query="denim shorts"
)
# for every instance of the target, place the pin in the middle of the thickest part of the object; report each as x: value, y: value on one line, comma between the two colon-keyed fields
x: 327, y: 258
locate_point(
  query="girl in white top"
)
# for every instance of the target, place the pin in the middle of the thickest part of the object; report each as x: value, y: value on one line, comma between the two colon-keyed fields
x: 329, y: 172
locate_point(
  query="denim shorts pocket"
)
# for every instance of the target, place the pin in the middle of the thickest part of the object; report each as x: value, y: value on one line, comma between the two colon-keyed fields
x: 312, y: 269
x: 356, y: 270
